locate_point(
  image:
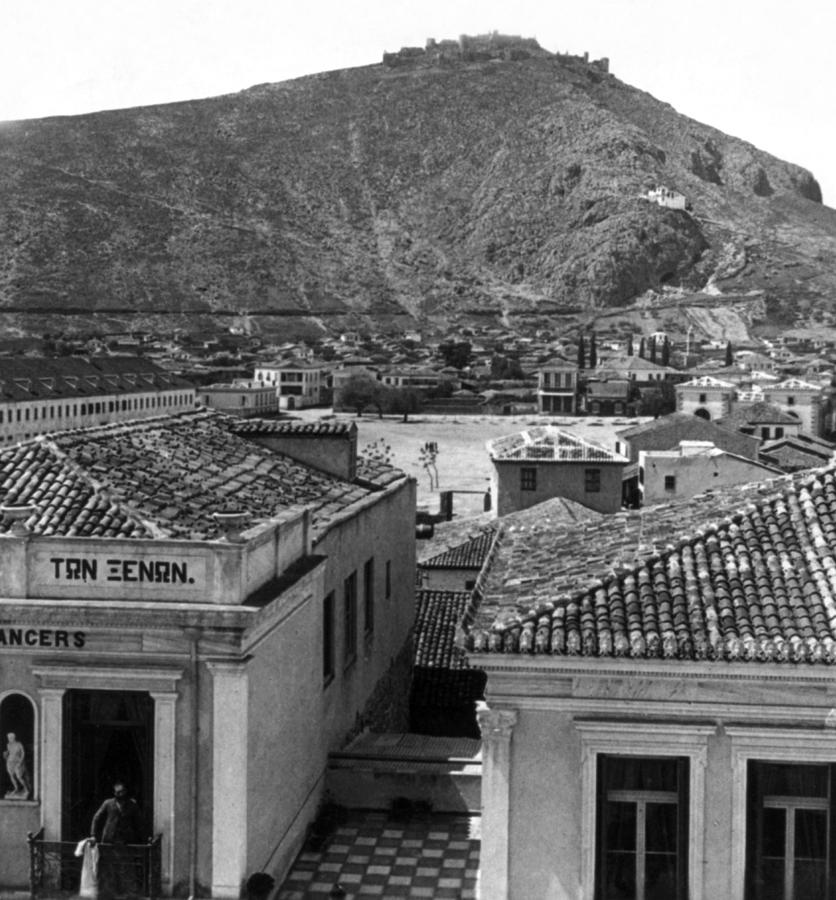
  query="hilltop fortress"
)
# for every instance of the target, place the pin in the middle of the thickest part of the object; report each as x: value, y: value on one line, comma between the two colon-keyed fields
x: 481, y: 48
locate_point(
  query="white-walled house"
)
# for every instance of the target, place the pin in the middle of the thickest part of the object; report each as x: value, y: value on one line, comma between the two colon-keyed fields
x: 708, y: 397
x: 691, y: 468
x: 241, y: 398
x: 298, y: 383
x: 186, y: 609
x: 659, y: 701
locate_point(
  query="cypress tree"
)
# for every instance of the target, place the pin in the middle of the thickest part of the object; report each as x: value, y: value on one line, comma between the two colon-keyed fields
x: 641, y: 349
x: 593, y: 352
x: 653, y: 350
x: 581, y: 353
x: 729, y: 354
x: 666, y: 353
x: 630, y: 345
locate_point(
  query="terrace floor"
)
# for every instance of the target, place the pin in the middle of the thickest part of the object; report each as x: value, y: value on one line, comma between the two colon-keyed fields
x: 375, y: 854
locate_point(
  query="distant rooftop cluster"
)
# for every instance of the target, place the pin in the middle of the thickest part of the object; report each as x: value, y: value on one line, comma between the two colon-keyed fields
x: 544, y: 443
x: 481, y: 48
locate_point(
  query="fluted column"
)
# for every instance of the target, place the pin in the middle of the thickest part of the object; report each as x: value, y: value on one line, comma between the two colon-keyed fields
x: 497, y: 726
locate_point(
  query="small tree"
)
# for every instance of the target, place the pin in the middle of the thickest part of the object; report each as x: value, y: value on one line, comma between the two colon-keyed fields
x: 427, y: 457
x: 729, y: 354
x: 403, y: 401
x: 581, y: 353
x: 378, y: 451
x: 360, y: 392
x: 630, y: 345
x: 653, y: 350
x: 641, y: 349
x: 593, y: 352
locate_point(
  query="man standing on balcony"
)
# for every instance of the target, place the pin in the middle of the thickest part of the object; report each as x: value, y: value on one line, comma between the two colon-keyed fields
x: 116, y: 824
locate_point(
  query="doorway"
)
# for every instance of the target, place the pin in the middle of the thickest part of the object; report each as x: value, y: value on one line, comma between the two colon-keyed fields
x: 108, y: 736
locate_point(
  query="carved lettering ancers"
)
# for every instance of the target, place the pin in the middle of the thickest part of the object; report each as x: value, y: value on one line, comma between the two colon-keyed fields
x: 42, y: 637
x: 495, y: 724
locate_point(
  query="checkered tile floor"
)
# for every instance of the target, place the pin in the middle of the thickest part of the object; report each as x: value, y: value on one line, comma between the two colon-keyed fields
x: 373, y: 855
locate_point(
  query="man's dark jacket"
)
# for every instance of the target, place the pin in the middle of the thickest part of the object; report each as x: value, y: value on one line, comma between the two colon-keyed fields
x: 117, y: 823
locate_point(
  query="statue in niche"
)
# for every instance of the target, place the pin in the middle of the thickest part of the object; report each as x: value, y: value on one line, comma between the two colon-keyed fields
x: 15, y: 756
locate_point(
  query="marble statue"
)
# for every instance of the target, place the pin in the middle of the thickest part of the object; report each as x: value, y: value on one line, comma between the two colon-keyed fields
x: 15, y: 756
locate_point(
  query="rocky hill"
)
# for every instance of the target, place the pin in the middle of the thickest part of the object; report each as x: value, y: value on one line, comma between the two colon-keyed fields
x: 437, y: 184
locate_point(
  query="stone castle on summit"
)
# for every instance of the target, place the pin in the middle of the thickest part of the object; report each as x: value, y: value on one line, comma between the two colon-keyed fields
x: 481, y: 48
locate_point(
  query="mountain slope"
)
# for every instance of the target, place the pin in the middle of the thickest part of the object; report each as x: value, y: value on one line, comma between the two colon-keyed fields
x: 513, y: 186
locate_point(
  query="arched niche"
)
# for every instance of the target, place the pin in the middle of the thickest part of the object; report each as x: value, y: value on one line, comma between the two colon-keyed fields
x: 18, y: 745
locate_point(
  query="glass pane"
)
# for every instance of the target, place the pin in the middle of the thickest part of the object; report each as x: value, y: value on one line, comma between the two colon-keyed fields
x: 660, y: 876
x: 774, y: 825
x: 621, y: 826
x: 627, y: 773
x: 786, y: 780
x: 810, y: 834
x: 621, y: 877
x: 660, y: 831
x: 772, y: 884
x: 810, y: 880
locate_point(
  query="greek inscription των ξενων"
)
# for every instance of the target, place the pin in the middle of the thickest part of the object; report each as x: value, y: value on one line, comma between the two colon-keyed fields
x: 137, y: 571
x: 54, y: 638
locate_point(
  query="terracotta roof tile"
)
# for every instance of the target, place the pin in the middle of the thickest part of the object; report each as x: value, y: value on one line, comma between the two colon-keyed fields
x: 164, y: 477
x: 748, y: 575
x: 442, y: 676
x: 471, y: 554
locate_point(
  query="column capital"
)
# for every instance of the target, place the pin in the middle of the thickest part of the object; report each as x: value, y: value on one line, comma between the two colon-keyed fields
x: 51, y: 693
x: 495, y: 724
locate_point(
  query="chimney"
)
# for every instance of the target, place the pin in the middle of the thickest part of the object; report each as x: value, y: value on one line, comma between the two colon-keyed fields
x: 330, y: 449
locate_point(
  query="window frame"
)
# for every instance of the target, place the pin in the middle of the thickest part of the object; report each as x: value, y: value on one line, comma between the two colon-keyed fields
x: 614, y: 738
x: 528, y: 479
x: 592, y: 480
x: 368, y: 597
x: 329, y: 664
x: 670, y: 484
x: 788, y: 745
x: 350, y: 620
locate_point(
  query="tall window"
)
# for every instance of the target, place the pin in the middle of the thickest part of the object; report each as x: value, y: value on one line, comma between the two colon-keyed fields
x: 350, y: 618
x: 789, y: 831
x: 368, y: 596
x: 328, y: 638
x: 592, y: 481
x: 528, y: 478
x: 642, y: 828
x: 670, y: 483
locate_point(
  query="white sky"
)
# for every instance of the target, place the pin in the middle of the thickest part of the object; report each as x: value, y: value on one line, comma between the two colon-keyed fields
x: 759, y: 69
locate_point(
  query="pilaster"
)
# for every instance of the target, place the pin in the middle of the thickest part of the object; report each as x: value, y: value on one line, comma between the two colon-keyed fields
x: 52, y: 715
x: 164, y: 779
x: 229, y: 777
x: 497, y: 726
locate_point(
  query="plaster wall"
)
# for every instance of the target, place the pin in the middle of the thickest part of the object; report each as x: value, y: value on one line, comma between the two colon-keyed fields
x: 44, y: 417
x: 555, y: 479
x: 717, y: 403
x: 336, y: 455
x: 286, y: 757
x: 448, y: 579
x: 549, y: 847
x: 694, y: 474
x: 384, y: 531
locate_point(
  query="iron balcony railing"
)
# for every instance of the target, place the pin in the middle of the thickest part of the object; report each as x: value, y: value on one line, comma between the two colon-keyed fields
x: 55, y: 870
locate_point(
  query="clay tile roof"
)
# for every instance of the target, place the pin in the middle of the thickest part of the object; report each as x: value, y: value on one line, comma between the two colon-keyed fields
x: 292, y: 429
x: 756, y: 414
x: 163, y: 477
x: 545, y: 443
x: 746, y: 574
x: 471, y: 554
x: 442, y: 676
